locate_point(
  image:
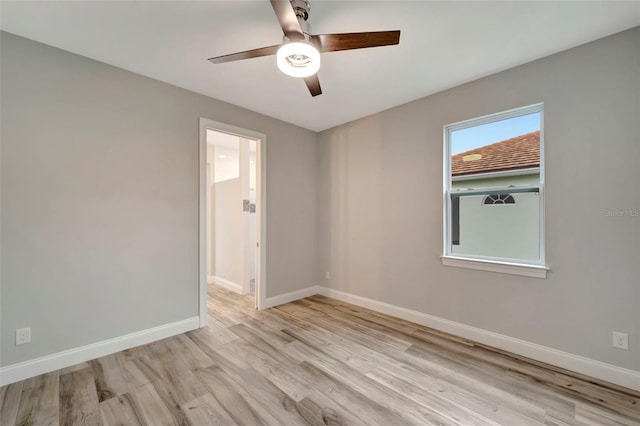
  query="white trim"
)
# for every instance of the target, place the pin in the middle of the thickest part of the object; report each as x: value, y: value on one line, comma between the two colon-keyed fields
x: 261, y: 224
x: 498, y: 174
x: 512, y: 189
x: 290, y: 297
x: 535, y: 271
x: 23, y: 370
x: 496, y: 116
x: 542, y: 238
x: 229, y: 285
x: 203, y: 230
x: 261, y: 202
x: 579, y: 364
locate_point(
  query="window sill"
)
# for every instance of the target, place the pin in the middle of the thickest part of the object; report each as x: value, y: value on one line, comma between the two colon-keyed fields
x: 535, y: 271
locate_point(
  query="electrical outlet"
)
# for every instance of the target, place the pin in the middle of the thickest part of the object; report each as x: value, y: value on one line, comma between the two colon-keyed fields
x: 621, y: 340
x: 23, y: 335
x: 327, y: 275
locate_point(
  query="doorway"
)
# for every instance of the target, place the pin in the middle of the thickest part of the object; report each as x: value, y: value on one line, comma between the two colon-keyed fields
x: 232, y: 225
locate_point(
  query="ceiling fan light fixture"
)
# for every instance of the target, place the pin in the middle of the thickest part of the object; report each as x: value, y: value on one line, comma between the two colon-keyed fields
x: 298, y: 59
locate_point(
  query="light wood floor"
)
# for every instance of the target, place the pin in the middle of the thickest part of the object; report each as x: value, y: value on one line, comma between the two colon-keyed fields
x: 317, y: 362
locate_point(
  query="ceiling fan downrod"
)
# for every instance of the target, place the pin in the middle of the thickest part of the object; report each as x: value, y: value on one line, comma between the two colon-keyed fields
x: 301, y: 9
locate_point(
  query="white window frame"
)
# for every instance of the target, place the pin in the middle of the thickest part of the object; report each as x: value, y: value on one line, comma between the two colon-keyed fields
x: 532, y: 268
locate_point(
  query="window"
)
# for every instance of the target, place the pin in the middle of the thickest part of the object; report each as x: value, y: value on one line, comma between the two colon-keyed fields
x: 498, y: 200
x: 493, y: 190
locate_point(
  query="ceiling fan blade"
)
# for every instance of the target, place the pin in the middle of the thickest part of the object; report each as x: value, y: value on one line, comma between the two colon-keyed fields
x: 288, y: 19
x: 313, y: 84
x: 349, y: 41
x: 248, y: 54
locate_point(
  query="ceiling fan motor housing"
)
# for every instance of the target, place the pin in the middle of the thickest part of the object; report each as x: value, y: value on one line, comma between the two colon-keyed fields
x: 302, y: 8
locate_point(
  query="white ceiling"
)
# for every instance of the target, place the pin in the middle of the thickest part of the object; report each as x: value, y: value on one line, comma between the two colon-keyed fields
x: 443, y: 44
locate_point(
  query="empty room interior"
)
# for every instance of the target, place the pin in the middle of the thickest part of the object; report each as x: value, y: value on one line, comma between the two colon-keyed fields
x: 295, y: 212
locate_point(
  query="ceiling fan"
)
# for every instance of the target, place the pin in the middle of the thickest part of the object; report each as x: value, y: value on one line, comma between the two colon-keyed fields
x: 299, y: 53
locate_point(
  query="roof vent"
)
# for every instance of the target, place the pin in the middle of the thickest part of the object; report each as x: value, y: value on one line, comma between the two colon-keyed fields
x: 472, y: 157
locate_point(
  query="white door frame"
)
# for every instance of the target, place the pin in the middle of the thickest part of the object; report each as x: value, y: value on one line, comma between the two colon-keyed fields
x: 261, y: 202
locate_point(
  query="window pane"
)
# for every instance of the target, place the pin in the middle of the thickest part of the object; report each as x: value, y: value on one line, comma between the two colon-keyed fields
x: 498, y: 199
x: 497, y: 159
x: 455, y: 221
x: 465, y: 140
x: 510, y: 230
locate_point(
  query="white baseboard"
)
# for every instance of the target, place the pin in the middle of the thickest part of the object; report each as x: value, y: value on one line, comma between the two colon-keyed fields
x: 590, y: 367
x: 23, y: 370
x: 236, y: 288
x: 270, y: 302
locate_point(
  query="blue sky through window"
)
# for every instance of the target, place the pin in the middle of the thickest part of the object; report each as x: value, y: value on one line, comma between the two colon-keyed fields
x: 486, y: 134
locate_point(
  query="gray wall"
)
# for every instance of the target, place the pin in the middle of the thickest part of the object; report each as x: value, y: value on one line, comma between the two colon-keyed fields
x: 99, y: 185
x: 381, y: 193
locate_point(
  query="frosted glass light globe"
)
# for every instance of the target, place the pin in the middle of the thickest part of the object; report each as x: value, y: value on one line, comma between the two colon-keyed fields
x: 298, y: 59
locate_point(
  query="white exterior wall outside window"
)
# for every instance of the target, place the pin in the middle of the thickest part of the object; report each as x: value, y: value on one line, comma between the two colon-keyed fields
x: 509, y: 230
x: 493, y: 193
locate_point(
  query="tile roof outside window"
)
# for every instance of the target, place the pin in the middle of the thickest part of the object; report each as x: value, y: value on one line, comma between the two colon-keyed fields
x: 520, y: 152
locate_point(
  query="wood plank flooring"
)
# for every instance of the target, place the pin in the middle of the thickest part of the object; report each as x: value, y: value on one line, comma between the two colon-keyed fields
x: 313, y: 362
